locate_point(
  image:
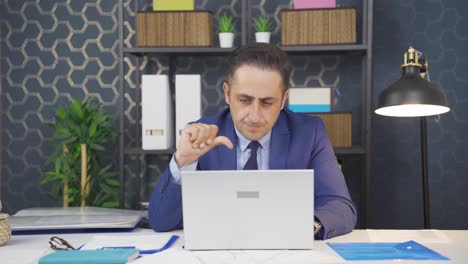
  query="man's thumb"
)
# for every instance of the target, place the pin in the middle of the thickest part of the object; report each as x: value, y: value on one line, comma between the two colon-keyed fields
x: 223, y: 140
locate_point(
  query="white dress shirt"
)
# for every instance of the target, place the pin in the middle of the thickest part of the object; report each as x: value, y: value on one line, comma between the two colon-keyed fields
x: 243, y: 154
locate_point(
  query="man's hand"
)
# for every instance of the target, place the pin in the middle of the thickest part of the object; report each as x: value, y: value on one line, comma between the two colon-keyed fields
x: 196, y: 140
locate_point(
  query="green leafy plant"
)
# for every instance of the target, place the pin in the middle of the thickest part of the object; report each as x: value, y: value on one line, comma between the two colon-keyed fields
x: 263, y: 24
x: 226, y: 24
x: 76, y: 124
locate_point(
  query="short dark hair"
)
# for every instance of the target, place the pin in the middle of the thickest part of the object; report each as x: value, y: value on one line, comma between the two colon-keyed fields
x: 262, y: 55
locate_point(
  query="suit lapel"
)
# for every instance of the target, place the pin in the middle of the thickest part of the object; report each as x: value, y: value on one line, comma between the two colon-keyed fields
x: 279, y: 146
x: 228, y: 157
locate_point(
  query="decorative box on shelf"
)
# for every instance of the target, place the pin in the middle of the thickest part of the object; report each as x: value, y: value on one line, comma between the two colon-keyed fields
x: 318, y: 26
x: 174, y: 29
x: 338, y: 126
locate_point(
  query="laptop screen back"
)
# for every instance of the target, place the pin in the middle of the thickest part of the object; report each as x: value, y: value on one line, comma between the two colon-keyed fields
x: 270, y: 209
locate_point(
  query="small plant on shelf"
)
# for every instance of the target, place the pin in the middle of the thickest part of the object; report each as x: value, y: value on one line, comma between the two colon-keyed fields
x: 226, y: 23
x: 226, y: 31
x: 263, y: 24
x: 263, y: 27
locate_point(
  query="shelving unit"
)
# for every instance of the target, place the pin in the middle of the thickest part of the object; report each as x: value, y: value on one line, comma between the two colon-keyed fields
x: 363, y: 49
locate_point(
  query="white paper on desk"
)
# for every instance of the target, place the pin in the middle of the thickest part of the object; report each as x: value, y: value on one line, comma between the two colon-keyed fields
x: 208, y: 257
x: 303, y: 257
x: 230, y: 256
x: 238, y: 257
x: 26, y: 256
x: 168, y: 256
x: 421, y: 236
x: 141, y: 242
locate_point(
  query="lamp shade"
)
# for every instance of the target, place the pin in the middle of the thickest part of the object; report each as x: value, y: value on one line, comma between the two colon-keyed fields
x: 412, y: 96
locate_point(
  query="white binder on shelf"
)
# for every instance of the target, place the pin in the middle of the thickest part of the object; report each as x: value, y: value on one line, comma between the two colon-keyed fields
x: 157, y: 116
x: 188, y: 100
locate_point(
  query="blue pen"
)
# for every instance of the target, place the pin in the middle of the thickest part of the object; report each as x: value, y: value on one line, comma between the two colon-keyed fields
x: 150, y: 251
x: 129, y: 247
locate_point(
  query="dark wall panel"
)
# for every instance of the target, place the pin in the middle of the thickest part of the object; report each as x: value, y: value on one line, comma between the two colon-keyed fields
x: 439, y: 29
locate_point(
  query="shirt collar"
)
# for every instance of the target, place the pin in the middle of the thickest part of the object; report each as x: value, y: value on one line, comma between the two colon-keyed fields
x: 243, y: 142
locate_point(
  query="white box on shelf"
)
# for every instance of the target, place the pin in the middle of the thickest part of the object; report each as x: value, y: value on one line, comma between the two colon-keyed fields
x: 188, y: 100
x: 157, y: 115
x: 310, y: 100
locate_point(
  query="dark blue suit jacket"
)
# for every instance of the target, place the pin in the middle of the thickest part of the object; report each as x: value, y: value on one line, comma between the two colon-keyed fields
x: 297, y: 142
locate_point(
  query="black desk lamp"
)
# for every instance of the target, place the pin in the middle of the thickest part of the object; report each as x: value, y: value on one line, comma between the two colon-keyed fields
x: 413, y: 95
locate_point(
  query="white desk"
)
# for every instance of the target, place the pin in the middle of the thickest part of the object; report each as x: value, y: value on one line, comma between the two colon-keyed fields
x: 29, y: 248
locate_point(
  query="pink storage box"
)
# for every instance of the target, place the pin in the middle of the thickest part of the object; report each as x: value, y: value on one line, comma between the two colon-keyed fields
x: 303, y: 4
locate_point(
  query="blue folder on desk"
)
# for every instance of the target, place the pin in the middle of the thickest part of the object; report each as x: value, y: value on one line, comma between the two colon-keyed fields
x: 115, y: 256
x: 410, y: 250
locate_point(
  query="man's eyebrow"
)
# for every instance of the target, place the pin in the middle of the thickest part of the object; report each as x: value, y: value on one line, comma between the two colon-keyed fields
x: 269, y: 98
x: 246, y: 96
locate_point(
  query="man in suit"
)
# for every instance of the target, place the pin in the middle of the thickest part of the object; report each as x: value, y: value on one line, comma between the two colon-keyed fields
x: 256, y: 132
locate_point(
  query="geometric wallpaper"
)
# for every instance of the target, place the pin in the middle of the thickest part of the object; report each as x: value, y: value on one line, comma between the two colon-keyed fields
x: 52, y: 51
x: 439, y: 29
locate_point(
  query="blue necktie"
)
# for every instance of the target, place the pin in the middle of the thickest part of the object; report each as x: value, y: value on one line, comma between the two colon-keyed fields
x: 251, y: 164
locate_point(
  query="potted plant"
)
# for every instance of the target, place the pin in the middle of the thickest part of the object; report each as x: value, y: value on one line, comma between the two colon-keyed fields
x: 263, y: 26
x: 226, y: 31
x: 81, y: 129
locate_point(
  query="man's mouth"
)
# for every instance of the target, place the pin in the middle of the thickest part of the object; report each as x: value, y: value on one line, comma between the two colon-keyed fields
x: 254, y: 126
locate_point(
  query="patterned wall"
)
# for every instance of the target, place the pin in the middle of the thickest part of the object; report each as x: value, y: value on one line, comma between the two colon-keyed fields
x: 439, y: 29
x: 52, y: 51
x: 55, y: 50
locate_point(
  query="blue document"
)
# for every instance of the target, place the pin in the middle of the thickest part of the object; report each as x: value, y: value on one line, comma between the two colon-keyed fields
x: 410, y: 250
x: 98, y: 256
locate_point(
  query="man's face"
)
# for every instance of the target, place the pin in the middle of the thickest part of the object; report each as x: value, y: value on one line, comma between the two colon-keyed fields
x: 255, y: 97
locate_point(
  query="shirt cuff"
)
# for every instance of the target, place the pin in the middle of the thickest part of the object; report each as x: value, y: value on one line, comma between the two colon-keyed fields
x: 175, y: 170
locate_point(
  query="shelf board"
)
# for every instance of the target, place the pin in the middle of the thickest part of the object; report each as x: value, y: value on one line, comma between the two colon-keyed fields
x: 355, y: 150
x: 221, y: 51
x: 178, y: 50
x: 139, y: 151
x: 325, y: 48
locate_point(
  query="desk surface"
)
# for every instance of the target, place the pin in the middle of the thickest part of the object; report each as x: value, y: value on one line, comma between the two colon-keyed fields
x: 450, y: 243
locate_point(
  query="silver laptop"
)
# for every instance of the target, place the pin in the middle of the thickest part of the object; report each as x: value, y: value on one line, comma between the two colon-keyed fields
x: 270, y: 209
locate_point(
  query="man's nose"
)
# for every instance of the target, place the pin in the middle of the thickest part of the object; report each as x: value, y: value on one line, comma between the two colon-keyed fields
x: 254, y: 112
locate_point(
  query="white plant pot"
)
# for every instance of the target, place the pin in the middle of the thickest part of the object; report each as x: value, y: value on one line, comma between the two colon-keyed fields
x: 263, y: 37
x: 226, y: 39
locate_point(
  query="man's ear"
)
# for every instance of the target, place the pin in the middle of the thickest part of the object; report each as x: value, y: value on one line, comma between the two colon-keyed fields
x: 226, y: 92
x: 285, y: 97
